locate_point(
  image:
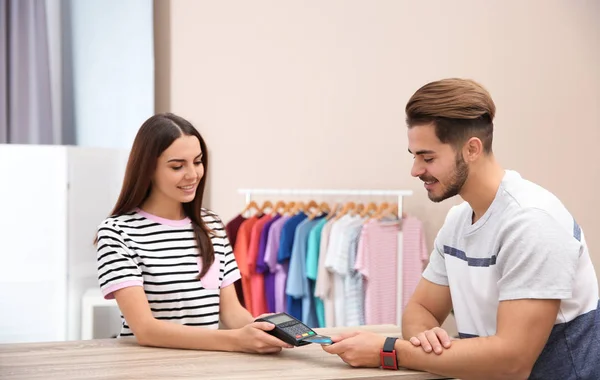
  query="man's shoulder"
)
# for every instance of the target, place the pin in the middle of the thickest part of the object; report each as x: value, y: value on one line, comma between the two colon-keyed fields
x: 526, y: 196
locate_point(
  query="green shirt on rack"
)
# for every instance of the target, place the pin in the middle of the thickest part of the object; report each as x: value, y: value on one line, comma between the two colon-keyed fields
x: 312, y: 266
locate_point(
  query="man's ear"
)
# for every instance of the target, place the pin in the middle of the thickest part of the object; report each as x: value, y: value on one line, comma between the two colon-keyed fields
x: 472, y: 149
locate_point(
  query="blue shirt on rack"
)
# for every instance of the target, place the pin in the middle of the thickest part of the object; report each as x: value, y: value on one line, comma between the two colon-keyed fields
x: 300, y: 298
x: 286, y: 243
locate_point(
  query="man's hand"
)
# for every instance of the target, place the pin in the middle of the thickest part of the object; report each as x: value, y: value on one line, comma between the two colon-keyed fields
x: 358, y: 349
x: 435, y: 339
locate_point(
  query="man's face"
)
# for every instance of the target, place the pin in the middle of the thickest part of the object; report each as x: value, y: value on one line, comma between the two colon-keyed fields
x: 438, y: 165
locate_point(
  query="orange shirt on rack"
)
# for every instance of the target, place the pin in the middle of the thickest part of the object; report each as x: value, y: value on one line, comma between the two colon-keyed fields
x: 240, y: 251
x: 257, y: 280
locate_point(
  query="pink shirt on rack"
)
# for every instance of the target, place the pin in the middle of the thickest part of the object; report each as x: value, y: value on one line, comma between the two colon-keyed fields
x: 414, y: 256
x: 376, y: 260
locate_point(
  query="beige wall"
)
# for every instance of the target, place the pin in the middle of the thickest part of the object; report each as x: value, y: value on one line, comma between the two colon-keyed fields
x: 311, y: 94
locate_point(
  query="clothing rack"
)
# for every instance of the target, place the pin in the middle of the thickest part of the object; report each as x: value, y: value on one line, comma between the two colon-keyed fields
x: 349, y: 192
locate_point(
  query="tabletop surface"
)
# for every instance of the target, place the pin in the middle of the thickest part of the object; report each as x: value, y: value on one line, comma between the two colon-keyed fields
x: 125, y: 359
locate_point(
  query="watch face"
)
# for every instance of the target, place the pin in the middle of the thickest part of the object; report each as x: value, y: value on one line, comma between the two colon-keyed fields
x: 389, y: 361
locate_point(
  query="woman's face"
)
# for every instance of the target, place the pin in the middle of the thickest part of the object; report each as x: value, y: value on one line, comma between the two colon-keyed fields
x: 179, y: 170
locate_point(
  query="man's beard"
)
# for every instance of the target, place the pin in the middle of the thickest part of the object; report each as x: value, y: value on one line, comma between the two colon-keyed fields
x: 456, y: 181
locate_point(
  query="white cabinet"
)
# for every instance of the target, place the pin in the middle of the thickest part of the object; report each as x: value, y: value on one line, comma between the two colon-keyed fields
x: 52, y: 198
x: 33, y: 244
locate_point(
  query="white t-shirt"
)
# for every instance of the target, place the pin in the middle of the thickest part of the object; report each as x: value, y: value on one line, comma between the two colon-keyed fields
x: 526, y: 245
x: 336, y: 262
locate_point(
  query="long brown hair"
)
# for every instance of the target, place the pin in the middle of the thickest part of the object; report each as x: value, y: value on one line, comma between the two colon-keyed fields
x: 154, y: 137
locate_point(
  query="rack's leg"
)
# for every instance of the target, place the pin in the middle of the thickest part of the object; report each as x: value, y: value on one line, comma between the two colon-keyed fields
x: 399, y: 274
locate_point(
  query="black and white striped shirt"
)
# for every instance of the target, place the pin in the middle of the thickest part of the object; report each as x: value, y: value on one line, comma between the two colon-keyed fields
x: 140, y: 249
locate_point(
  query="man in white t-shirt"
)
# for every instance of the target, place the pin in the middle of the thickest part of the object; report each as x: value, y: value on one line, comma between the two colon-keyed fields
x: 511, y: 261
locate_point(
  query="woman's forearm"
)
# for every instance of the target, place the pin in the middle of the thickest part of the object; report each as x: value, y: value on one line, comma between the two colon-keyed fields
x: 159, y: 333
x: 237, y: 318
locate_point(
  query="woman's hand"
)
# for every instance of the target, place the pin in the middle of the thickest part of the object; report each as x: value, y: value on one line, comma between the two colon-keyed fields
x: 254, y: 339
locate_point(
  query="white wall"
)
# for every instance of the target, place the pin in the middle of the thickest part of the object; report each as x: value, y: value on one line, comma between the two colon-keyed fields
x: 113, y: 70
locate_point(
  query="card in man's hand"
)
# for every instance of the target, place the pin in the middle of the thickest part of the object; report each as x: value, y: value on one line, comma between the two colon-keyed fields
x: 319, y: 339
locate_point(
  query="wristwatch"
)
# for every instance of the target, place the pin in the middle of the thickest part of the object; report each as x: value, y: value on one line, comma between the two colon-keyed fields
x: 388, y: 354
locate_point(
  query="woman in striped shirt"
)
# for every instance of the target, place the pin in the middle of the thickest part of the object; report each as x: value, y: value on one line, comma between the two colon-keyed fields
x: 165, y: 259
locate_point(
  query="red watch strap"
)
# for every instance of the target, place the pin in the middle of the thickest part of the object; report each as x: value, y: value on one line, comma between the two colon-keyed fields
x: 388, y: 354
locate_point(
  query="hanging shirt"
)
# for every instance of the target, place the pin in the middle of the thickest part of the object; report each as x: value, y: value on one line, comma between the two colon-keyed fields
x: 297, y: 288
x: 376, y: 260
x: 414, y: 256
x: 337, y: 262
x: 257, y: 285
x: 353, y: 282
x: 312, y: 267
x: 324, y: 284
x: 284, y: 255
x: 240, y: 251
x: 271, y: 250
x: 263, y: 268
x: 232, y: 228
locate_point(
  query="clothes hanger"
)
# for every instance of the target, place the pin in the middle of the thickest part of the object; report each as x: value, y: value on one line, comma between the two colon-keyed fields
x: 289, y: 207
x: 324, y: 207
x: 392, y: 209
x: 266, y: 205
x: 299, y: 207
x: 359, y: 209
x: 320, y: 210
x: 371, y: 207
x: 312, y: 210
x: 380, y: 209
x: 347, y: 207
x: 251, y: 205
x: 279, y: 208
x: 333, y: 211
x: 313, y: 214
x: 311, y: 207
x: 383, y: 206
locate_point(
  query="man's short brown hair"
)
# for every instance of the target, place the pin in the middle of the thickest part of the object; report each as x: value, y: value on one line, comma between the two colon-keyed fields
x: 458, y: 108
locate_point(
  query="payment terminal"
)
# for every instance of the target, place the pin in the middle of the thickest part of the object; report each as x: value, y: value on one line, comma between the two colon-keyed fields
x: 292, y: 331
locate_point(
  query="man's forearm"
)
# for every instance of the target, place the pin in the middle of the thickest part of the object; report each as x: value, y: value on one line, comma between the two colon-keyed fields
x: 417, y: 319
x: 476, y: 358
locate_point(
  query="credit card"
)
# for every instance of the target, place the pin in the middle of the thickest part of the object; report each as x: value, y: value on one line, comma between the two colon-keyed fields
x: 318, y: 339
